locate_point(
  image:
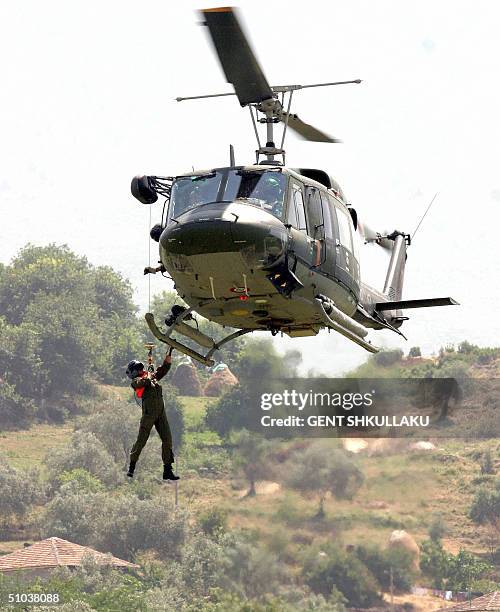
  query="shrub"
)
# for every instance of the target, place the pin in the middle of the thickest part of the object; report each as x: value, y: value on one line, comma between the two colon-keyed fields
x: 18, y: 491
x: 87, y: 452
x: 16, y: 412
x: 453, y: 572
x: 121, y: 525
x: 332, y: 567
x: 129, y: 524
x: 388, y: 358
x: 73, y: 516
x: 79, y: 480
x: 249, y: 569
x: 486, y: 463
x: 213, y: 521
x: 437, y: 529
x: 229, y: 413
x: 381, y: 562
x: 485, y: 506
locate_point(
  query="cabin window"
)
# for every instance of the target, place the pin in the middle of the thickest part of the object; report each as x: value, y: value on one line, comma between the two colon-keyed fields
x: 299, y: 207
x: 344, y: 229
x: 327, y: 216
x: 292, y: 212
x: 315, y: 214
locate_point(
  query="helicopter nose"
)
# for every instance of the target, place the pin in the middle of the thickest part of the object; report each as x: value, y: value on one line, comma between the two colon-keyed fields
x: 219, y: 228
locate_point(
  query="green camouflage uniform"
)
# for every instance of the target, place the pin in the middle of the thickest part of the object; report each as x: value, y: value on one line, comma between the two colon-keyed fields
x: 153, y: 413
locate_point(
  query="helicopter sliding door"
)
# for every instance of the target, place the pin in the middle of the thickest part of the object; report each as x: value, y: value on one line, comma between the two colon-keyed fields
x: 316, y: 225
x: 302, y: 244
x: 328, y: 259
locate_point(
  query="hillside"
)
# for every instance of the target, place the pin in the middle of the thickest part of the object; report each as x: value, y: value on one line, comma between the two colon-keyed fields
x: 402, y: 489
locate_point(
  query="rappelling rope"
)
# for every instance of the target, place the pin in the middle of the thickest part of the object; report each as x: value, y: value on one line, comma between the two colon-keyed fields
x: 149, y: 262
x: 150, y: 354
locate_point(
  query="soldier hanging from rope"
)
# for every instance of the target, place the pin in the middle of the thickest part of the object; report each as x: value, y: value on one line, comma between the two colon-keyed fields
x: 146, y: 387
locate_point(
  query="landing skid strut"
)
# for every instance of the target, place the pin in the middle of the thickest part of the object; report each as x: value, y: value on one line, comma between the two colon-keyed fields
x: 180, y: 327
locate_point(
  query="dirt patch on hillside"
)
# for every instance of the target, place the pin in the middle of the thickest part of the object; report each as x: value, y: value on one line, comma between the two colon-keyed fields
x: 263, y: 487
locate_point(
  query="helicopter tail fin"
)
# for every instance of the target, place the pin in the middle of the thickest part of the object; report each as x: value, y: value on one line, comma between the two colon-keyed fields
x: 393, y: 286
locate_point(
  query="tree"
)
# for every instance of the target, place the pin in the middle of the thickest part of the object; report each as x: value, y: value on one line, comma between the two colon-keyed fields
x: 18, y: 492
x: 59, y: 313
x: 464, y: 569
x: 331, y: 567
x: 320, y: 469
x: 388, y: 358
x: 67, y: 346
x: 415, y: 352
x: 434, y: 562
x: 391, y: 564
x: 230, y: 412
x: 249, y: 457
x: 259, y: 360
x: 73, y: 516
x: 453, y: 572
x: 50, y: 270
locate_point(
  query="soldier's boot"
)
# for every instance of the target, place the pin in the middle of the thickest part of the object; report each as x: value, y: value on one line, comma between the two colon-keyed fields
x: 168, y: 474
x: 131, y: 469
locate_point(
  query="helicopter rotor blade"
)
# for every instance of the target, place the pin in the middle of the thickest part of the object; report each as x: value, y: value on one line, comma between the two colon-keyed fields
x: 371, y: 236
x: 308, y: 132
x: 236, y: 56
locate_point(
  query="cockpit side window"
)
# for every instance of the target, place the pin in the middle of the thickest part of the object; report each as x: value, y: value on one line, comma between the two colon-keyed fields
x: 191, y: 191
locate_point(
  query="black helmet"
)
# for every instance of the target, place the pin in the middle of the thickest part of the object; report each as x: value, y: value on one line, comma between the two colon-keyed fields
x: 133, y: 368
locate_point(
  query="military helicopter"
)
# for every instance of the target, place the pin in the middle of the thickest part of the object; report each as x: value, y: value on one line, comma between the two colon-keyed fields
x: 267, y: 246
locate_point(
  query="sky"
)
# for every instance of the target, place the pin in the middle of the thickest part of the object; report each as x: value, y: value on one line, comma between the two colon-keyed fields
x: 87, y: 102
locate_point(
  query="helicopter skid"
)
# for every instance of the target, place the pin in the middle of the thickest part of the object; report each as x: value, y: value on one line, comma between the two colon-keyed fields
x: 177, y: 326
x: 341, y: 324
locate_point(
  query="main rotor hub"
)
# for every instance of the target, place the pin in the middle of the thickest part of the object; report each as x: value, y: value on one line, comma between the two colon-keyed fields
x: 242, y: 69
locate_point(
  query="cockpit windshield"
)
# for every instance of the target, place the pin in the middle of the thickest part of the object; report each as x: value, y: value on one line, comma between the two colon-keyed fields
x: 264, y: 189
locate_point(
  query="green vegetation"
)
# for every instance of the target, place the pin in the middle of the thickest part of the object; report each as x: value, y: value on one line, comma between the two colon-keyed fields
x: 58, y: 315
x: 319, y: 470
x: 261, y: 526
x: 453, y: 572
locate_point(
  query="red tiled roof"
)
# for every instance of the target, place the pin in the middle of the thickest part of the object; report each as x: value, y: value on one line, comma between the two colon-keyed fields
x: 55, y: 552
x: 486, y: 603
